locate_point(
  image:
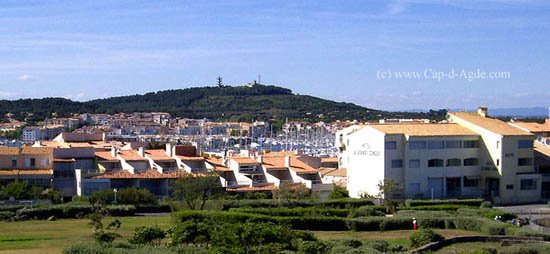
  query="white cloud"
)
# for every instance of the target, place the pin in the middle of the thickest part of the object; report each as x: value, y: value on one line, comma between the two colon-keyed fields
x: 26, y: 77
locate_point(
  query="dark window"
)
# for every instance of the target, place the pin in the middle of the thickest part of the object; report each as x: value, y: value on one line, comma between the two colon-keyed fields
x: 13, y: 163
x: 525, y: 143
x: 436, y: 144
x: 417, y: 145
x: 453, y: 144
x: 471, y: 144
x: 471, y: 162
x: 509, y: 186
x: 528, y: 184
x: 33, y: 162
x: 471, y: 182
x: 435, y: 163
x: 454, y: 162
x: 391, y: 145
x: 414, y: 163
x: 525, y: 161
x: 397, y: 163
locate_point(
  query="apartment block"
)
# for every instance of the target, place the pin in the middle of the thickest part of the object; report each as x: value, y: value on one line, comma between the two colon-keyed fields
x: 473, y: 155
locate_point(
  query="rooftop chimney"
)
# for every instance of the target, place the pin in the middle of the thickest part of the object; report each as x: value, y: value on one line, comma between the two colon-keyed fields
x: 113, y: 151
x: 260, y: 158
x: 141, y: 152
x: 482, y: 111
x: 169, y: 150
x: 287, y: 161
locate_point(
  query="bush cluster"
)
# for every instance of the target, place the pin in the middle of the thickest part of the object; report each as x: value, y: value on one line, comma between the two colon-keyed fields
x: 465, y: 202
x: 267, y: 203
x: 299, y: 211
x: 424, y: 236
x: 72, y: 211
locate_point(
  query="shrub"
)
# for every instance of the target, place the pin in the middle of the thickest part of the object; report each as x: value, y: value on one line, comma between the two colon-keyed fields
x: 41, y: 213
x: 352, y: 243
x: 467, y: 223
x: 338, y: 193
x: 424, y: 236
x: 438, y: 207
x: 102, y: 197
x: 121, y: 210
x: 146, y: 235
x: 379, y: 245
x: 367, y: 211
x: 153, y: 208
x: 466, y: 202
x: 5, y: 215
x: 483, y: 251
x: 494, y: 229
x: 135, y: 196
x: 299, y: 211
x: 312, y: 247
x: 431, y: 222
x: 486, y: 204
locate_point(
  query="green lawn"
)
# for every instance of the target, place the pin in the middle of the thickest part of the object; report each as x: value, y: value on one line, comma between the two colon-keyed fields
x: 53, y: 236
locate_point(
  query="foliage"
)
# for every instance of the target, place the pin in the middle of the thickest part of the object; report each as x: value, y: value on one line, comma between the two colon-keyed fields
x: 486, y: 204
x: 299, y: 211
x: 424, y: 236
x: 239, y: 103
x: 388, y: 190
x: 101, y: 234
x: 135, y: 196
x: 195, y: 190
x: 338, y: 193
x: 17, y: 190
x: 147, y: 235
x: 94, y: 248
x: 424, y: 202
x: 52, y: 195
x: 102, y: 197
x: 364, y: 211
x: 287, y: 192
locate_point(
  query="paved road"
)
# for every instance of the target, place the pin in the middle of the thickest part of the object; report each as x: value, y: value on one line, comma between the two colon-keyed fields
x: 533, y: 212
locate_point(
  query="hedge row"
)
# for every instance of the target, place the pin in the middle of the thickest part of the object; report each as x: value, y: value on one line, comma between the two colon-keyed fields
x: 72, y: 211
x: 438, y: 207
x: 266, y: 203
x: 424, y: 202
x: 161, y: 208
x: 482, y: 225
x: 298, y: 212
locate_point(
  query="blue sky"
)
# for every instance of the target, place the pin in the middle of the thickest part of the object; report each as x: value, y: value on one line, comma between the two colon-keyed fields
x: 332, y: 49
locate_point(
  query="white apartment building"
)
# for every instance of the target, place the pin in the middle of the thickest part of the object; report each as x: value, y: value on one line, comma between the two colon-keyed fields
x: 472, y: 156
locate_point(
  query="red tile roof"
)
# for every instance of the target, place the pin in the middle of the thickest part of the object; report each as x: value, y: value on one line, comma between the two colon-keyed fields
x: 158, y: 155
x: 130, y: 155
x: 218, y: 166
x: 149, y: 174
x: 107, y: 156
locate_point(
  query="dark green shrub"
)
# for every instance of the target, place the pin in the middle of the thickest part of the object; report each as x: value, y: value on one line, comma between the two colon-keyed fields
x: 5, y: 215
x: 437, y: 207
x: 466, y: 202
x: 41, y: 213
x: 102, y: 197
x: 298, y: 211
x: 364, y: 211
x: 431, y: 222
x: 189, y: 232
x: 424, y: 236
x: 364, y: 224
x: 153, y: 208
x: 312, y: 247
x: 483, y: 251
x: 486, y: 204
x: 135, y: 196
x: 338, y: 193
x: 147, y: 235
x: 494, y: 228
x: 396, y: 224
x: 353, y: 243
x: 379, y: 245
x: 121, y: 210
x: 467, y: 223
x: 363, y: 250
x: 76, y: 211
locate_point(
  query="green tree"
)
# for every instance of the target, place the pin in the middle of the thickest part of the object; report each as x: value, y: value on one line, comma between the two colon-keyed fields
x: 289, y: 191
x: 17, y: 190
x: 194, y: 190
x: 135, y: 196
x: 338, y: 193
x: 388, y: 191
x: 102, y: 197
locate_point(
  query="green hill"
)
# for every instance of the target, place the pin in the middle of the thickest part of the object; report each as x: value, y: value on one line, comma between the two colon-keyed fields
x: 243, y: 103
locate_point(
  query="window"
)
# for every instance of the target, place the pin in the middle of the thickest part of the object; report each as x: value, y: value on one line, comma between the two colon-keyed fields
x: 414, y: 163
x: 509, y: 186
x: 390, y: 145
x: 397, y: 163
x: 471, y: 182
x: 498, y: 143
x: 471, y: 144
x: 451, y: 144
x: 435, y: 163
x: 528, y: 184
x: 454, y: 162
x: 525, y: 161
x: 417, y: 145
x: 436, y: 144
x: 14, y: 163
x: 33, y: 162
x: 498, y: 162
x: 525, y: 143
x: 471, y: 162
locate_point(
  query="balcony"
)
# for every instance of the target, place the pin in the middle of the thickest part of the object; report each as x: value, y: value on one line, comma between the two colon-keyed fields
x: 236, y: 184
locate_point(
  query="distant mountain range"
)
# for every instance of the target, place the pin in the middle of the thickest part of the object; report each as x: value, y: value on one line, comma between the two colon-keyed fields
x: 504, y: 112
x: 236, y: 103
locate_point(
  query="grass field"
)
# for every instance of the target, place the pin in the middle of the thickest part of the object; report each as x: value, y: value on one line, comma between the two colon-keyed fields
x: 53, y: 236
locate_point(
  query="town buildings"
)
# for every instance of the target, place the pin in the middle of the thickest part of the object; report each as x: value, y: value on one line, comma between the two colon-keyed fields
x: 472, y: 155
